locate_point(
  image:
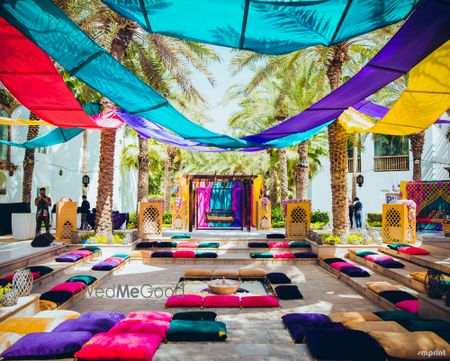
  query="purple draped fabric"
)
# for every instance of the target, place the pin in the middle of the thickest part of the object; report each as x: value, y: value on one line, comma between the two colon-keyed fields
x: 236, y: 203
x: 417, y: 38
x: 204, y: 199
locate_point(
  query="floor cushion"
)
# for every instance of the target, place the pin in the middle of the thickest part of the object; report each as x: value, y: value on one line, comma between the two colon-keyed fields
x: 414, y: 251
x: 409, y: 305
x: 42, y: 270
x: 105, y: 266
x: 151, y: 327
x: 162, y: 254
x: 183, y: 330
x: 299, y: 244
x: 206, y: 254
x: 180, y: 236
x: 197, y: 272
x: 284, y: 255
x: 103, y: 315
x: 119, y: 260
x: 187, y: 245
x: 299, y: 331
x: 150, y: 316
x: 305, y: 318
x: 412, y: 345
x: 139, y: 254
x: 275, y: 235
x: 58, y: 297
x: 7, y: 339
x: 371, y: 326
x: 146, y: 244
x: 252, y: 272
x: 363, y: 254
x: 25, y: 325
x: 278, y: 278
x: 305, y: 255
x: 419, y: 276
x: 343, y: 345
x: 125, y: 346
x: 261, y: 255
x: 381, y: 286
x: 354, y: 271
x: 166, y: 244
x: 259, y: 301
x: 289, y: 292
x: 184, y: 301
x: 389, y: 263
x: 397, y: 245
x: 347, y: 317
x: 396, y: 315
x: 375, y: 257
x: 69, y: 258
x: 195, y: 316
x: 72, y: 287
x: 338, y: 265
x: 229, y: 273
x: 93, y: 249
x: 184, y: 254
x: 47, y: 345
x: 121, y: 255
x: 45, y: 305
x: 396, y: 296
x: 332, y: 260
x: 258, y: 244
x: 278, y: 244
x: 208, y: 245
x: 86, y: 279
x: 10, y: 277
x: 444, y: 335
x: 426, y: 325
x: 222, y: 301
x: 64, y: 314
x: 83, y: 252
x: 93, y: 326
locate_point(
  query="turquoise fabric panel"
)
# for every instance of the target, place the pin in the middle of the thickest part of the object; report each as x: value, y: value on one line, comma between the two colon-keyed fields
x: 56, y: 136
x: 264, y: 26
x: 295, y: 138
x: 221, y: 199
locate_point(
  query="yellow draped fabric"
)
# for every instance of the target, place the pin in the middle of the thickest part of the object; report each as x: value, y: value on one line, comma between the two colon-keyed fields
x: 9, y: 121
x: 354, y: 121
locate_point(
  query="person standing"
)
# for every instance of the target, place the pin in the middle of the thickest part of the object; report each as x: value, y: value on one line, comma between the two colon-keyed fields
x: 85, y: 210
x: 351, y: 211
x: 43, y: 204
x: 357, y: 208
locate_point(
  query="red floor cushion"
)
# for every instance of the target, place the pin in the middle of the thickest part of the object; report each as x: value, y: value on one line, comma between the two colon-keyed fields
x: 222, y: 301
x: 284, y: 255
x: 339, y: 265
x: 150, y: 316
x: 124, y: 346
x: 72, y: 287
x: 184, y: 254
x: 9, y: 277
x: 278, y: 244
x: 187, y: 245
x: 149, y: 327
x: 409, y: 305
x: 184, y: 301
x: 260, y: 301
x: 415, y: 251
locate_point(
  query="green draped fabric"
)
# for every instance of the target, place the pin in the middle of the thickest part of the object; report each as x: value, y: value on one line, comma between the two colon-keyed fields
x: 264, y: 26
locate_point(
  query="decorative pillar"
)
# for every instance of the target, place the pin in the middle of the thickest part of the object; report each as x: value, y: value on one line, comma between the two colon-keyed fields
x: 150, y: 218
x: 179, y: 214
x: 297, y: 217
x: 399, y: 222
x: 66, y: 220
x: 263, y: 214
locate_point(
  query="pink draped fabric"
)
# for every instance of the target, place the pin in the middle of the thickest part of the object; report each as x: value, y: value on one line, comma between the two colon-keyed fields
x: 251, y: 206
x: 204, y: 199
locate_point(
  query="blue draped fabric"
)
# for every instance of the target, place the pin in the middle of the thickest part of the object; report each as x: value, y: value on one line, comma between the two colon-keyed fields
x: 220, y: 201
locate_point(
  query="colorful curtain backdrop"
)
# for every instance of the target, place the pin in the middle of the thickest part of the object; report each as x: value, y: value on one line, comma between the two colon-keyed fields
x: 204, y: 199
x: 269, y: 27
x: 425, y: 193
x: 220, y: 201
x: 236, y: 200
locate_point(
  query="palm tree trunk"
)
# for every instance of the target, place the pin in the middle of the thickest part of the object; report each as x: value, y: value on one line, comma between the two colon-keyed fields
x: 337, y: 145
x: 143, y: 160
x: 417, y: 143
x: 355, y: 165
x: 28, y: 163
x: 301, y: 188
x: 85, y: 160
x: 284, y: 189
x: 168, y: 176
x: 272, y: 179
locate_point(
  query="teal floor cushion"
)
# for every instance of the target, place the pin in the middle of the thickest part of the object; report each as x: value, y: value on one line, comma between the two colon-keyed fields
x: 180, y: 236
x: 184, y: 330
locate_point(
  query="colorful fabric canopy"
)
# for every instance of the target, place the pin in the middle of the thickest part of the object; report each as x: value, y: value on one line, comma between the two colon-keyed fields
x: 56, y: 136
x: 269, y: 27
x: 29, y: 74
x: 10, y: 121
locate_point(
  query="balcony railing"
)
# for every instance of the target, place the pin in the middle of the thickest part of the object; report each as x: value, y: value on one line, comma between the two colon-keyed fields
x: 350, y: 165
x: 391, y: 163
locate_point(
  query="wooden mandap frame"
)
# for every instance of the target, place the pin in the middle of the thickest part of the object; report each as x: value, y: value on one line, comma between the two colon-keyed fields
x: 246, y: 182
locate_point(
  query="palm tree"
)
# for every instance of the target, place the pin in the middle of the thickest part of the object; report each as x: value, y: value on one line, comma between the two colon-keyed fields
x: 28, y: 163
x: 417, y: 141
x: 284, y: 189
x: 302, y: 169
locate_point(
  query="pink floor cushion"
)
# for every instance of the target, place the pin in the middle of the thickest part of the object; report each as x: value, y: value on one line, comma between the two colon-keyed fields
x: 150, y: 316
x: 120, y: 346
x: 184, y: 301
x: 184, y: 254
x: 83, y: 252
x: 376, y: 257
x: 260, y: 301
x: 278, y: 244
x: 222, y: 301
x: 118, y: 260
x: 409, y: 305
x: 149, y: 327
x: 9, y: 277
x: 284, y: 255
x: 415, y: 251
x: 339, y: 265
x: 72, y: 287
x: 187, y: 245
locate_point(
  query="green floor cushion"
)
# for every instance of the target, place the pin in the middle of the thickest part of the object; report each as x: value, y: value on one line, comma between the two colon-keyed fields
x: 180, y: 236
x: 205, y: 254
x: 396, y: 315
x: 299, y: 244
x: 206, y: 331
x: 195, y: 316
x: 444, y: 335
x: 121, y: 255
x: 261, y: 255
x: 86, y: 279
x: 397, y: 245
x: 166, y: 244
x: 208, y: 245
x: 426, y: 325
x: 363, y: 254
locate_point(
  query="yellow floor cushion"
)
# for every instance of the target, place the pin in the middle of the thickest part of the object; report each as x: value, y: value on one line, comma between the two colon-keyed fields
x: 224, y: 273
x: 65, y: 314
x: 378, y: 287
x: 420, y: 276
x: 372, y: 326
x: 423, y: 345
x: 197, y: 272
x: 348, y: 317
x: 7, y: 339
x: 47, y: 305
x: 252, y: 272
x: 26, y: 325
x: 140, y: 254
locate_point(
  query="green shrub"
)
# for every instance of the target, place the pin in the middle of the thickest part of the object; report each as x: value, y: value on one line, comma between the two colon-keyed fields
x: 101, y: 239
x: 85, y: 236
x: 374, y: 217
x: 132, y: 222
x: 278, y: 224
x: 374, y: 223
x: 167, y: 217
x: 356, y: 238
x: 318, y: 216
x: 318, y: 225
x: 330, y: 239
x: 118, y: 238
x: 277, y: 215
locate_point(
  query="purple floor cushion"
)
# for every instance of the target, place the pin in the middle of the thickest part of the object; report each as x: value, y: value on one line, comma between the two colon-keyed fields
x: 389, y: 263
x: 275, y: 236
x: 103, y: 315
x: 146, y: 244
x: 330, y: 344
x: 162, y: 254
x: 47, y: 345
x: 93, y: 326
x: 354, y: 271
x: 289, y: 292
x: 305, y: 255
x: 396, y: 296
x: 69, y: 257
x: 278, y: 278
x: 305, y: 318
x: 258, y: 245
x: 298, y: 332
x: 105, y: 266
x: 333, y: 260
x: 58, y: 297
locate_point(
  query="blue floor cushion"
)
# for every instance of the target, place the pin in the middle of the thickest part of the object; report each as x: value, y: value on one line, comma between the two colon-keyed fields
x: 305, y: 255
x: 146, y: 244
x: 354, y: 271
x: 305, y: 318
x: 278, y: 278
x: 162, y: 254
x: 275, y: 236
x: 206, y: 331
x: 389, y: 263
x: 396, y: 296
x: 195, y: 316
x: 258, y: 245
x: 288, y: 292
x: 298, y: 332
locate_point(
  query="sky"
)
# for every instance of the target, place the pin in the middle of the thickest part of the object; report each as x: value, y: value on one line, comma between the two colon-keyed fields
x: 218, y: 112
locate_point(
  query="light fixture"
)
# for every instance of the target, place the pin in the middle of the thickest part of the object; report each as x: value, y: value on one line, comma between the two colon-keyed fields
x: 360, y: 180
x: 60, y: 172
x: 85, y: 180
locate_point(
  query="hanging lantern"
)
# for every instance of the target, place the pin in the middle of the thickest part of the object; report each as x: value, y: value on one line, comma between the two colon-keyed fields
x: 360, y: 180
x: 60, y: 172
x: 434, y: 284
x: 85, y: 180
x: 23, y: 282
